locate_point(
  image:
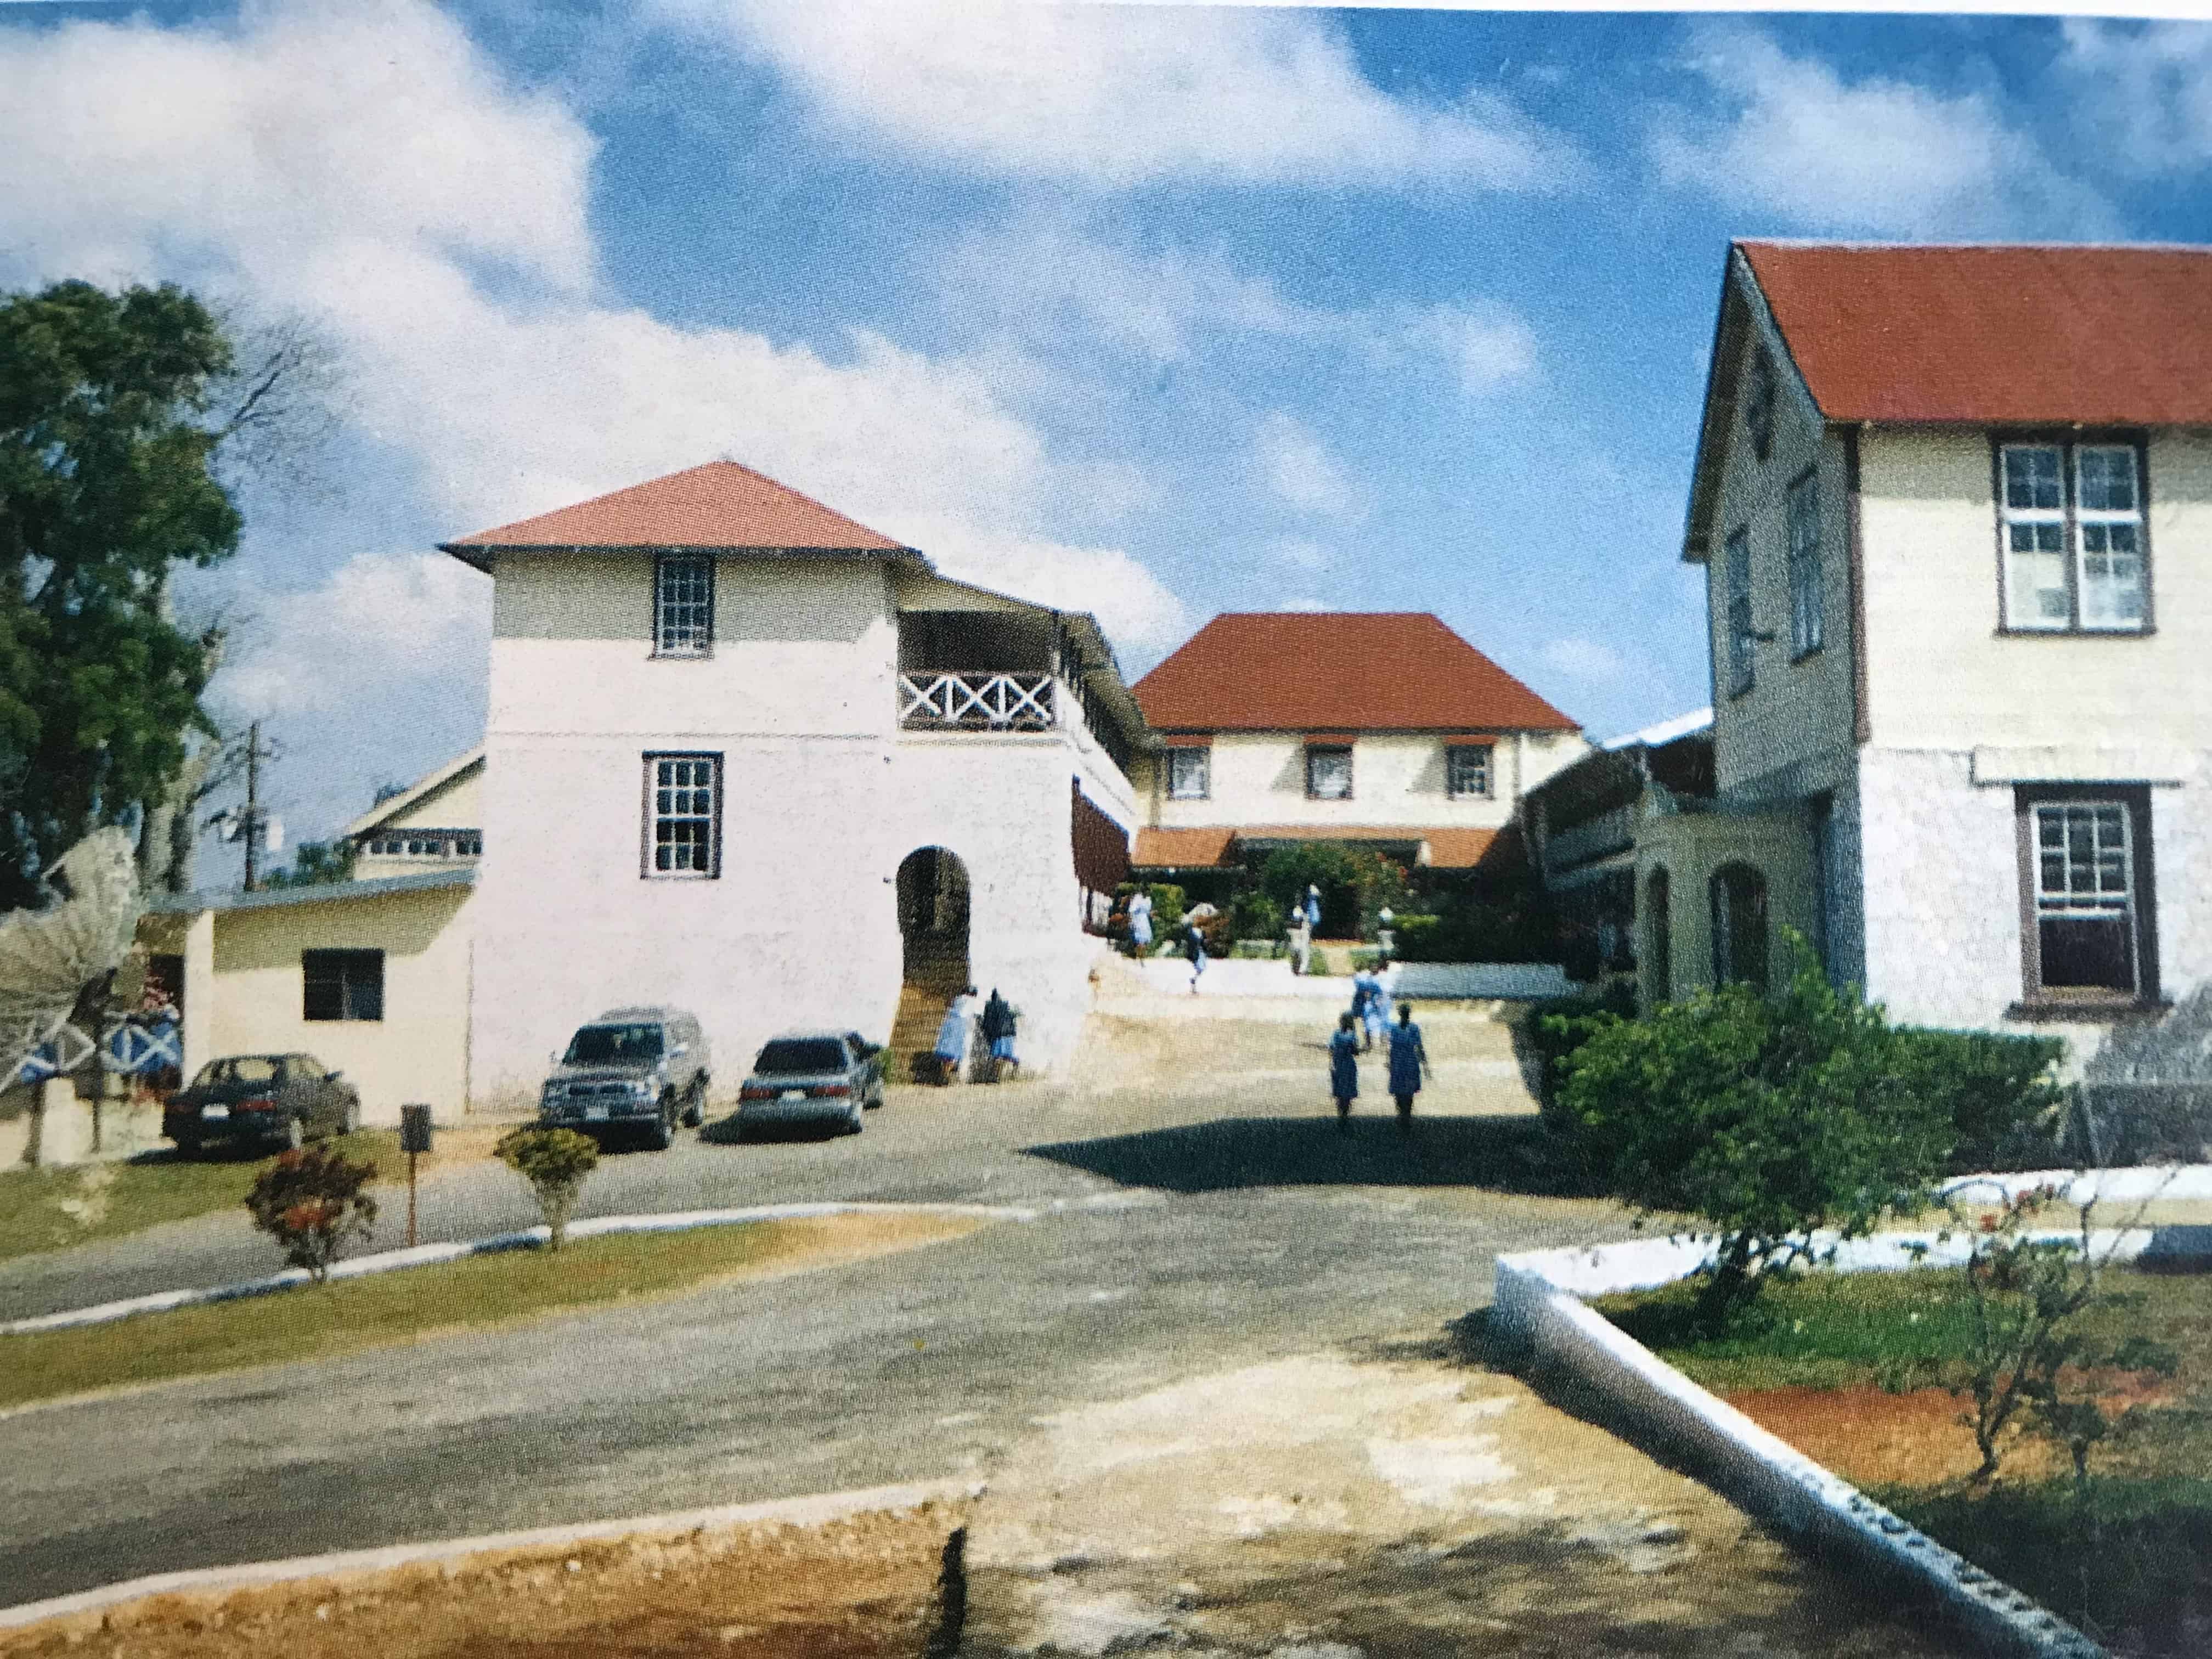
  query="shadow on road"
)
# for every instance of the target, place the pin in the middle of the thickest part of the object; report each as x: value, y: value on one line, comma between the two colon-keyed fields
x: 1505, y: 1153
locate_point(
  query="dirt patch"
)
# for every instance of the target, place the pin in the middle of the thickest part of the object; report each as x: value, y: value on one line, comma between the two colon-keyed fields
x: 862, y: 1587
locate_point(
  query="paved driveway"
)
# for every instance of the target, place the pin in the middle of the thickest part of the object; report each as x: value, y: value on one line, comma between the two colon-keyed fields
x: 1200, y: 1215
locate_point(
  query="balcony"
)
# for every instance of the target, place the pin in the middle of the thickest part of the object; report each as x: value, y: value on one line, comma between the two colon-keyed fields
x: 977, y: 700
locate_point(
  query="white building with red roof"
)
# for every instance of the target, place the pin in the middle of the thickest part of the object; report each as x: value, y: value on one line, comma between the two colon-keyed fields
x: 1954, y: 505
x: 749, y: 758
x: 1380, y: 729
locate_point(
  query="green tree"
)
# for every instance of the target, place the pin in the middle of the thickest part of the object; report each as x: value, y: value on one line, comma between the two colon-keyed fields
x: 1356, y: 884
x: 317, y: 863
x: 108, y: 435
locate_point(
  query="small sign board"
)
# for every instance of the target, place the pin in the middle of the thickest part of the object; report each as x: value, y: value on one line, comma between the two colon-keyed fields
x: 414, y: 1128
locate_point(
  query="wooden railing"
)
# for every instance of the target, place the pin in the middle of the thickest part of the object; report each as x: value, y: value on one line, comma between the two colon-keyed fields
x: 976, y: 702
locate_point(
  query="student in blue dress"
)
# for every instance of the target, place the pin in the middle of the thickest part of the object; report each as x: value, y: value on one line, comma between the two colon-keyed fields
x: 1344, y: 1069
x: 1378, y: 1009
x: 1193, y: 950
x: 1409, y: 1063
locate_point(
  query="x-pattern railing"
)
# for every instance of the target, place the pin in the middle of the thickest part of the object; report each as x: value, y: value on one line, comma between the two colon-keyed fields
x: 978, y: 702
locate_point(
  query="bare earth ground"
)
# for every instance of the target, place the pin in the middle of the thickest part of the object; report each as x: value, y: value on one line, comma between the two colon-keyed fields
x: 1214, y: 1388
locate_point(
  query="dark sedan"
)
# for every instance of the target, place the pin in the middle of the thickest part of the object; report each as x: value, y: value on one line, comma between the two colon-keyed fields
x: 267, y: 1099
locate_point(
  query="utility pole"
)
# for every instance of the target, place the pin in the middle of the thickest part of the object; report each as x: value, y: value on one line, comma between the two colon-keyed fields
x: 253, y: 799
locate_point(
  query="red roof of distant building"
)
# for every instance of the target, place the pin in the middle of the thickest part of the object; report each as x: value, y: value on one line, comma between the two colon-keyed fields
x: 720, y: 505
x: 1449, y: 847
x: 1346, y: 672
x: 1986, y: 335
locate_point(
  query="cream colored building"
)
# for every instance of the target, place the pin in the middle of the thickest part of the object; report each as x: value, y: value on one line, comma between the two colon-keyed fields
x: 1383, y: 730
x: 370, y: 976
x: 1954, y: 505
x: 435, y: 824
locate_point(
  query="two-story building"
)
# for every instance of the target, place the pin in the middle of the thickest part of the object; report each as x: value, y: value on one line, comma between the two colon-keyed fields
x: 747, y: 757
x: 1955, y: 505
x: 1380, y: 729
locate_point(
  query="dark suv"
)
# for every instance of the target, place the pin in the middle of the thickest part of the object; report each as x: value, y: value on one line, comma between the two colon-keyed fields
x: 637, y: 1070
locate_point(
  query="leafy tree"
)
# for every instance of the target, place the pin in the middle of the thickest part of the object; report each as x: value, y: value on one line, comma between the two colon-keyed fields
x: 107, y: 442
x: 317, y: 863
x: 1767, y: 1120
x: 1356, y: 884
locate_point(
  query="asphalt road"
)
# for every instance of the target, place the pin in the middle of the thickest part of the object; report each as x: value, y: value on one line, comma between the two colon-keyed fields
x: 1198, y: 1211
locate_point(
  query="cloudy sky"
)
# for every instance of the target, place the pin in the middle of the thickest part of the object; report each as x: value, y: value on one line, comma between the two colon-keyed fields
x: 1154, y: 311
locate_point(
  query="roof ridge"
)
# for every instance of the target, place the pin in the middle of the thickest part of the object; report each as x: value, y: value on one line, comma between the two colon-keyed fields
x: 1865, y: 245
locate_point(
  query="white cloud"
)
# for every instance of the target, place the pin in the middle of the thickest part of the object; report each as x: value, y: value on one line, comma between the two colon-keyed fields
x: 1138, y: 612
x: 1115, y: 95
x: 1877, y: 156
x: 1486, y: 347
x: 1299, y: 553
x: 1585, y: 660
x: 1298, y: 467
x: 2143, y: 93
x: 340, y: 646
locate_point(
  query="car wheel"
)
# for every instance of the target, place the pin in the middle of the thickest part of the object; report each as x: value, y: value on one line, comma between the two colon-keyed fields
x: 662, y: 1134
x: 695, y: 1110
x: 853, y: 1121
x: 188, y: 1148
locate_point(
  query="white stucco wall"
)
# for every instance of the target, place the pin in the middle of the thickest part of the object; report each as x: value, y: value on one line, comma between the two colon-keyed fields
x: 1397, y: 779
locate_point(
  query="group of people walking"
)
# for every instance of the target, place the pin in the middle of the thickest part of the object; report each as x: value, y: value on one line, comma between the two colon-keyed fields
x: 1358, y: 1030
x: 962, y: 1024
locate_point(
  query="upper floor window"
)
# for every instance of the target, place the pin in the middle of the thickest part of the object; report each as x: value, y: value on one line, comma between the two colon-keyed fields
x: 683, y: 815
x: 1467, y: 769
x: 2071, y: 522
x: 1189, y: 773
x: 1742, y: 666
x: 1807, y: 620
x: 682, y: 605
x: 1328, y: 772
x: 1758, y: 403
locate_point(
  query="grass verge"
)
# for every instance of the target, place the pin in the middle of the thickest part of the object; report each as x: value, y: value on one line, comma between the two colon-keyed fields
x: 2127, y: 1556
x: 323, y: 1321
x: 55, y: 1209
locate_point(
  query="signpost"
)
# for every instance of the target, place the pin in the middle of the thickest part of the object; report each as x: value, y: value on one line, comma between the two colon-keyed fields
x: 413, y: 1140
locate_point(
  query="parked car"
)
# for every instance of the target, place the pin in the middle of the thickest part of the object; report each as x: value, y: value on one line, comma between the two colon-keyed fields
x: 812, y: 1077
x: 639, y: 1071
x: 278, y: 1100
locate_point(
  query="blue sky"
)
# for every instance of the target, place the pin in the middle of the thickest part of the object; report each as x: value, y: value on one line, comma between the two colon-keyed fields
x: 1157, y: 311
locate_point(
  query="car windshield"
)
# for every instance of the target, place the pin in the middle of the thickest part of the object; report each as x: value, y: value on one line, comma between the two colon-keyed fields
x: 239, y: 1068
x: 790, y: 1055
x: 602, y: 1045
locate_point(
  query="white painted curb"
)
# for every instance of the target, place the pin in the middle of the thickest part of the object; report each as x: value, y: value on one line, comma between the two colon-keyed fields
x: 423, y: 1256
x: 1539, y: 1303
x: 814, y: 1510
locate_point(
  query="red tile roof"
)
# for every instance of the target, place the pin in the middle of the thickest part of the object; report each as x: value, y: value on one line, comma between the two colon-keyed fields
x: 1337, y: 671
x: 721, y: 505
x: 1450, y: 847
x: 1991, y: 335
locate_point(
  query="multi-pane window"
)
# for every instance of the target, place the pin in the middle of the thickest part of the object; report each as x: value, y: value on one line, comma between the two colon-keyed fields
x: 2072, y: 524
x: 1328, y: 772
x: 1808, y: 619
x: 1467, y: 769
x: 2087, y: 938
x: 683, y: 815
x: 682, y: 605
x: 342, y: 984
x: 1741, y: 640
x: 1189, y: 773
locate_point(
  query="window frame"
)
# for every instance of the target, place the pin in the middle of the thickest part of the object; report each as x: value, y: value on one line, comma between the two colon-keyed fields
x: 2039, y: 1000
x: 1741, y: 632
x: 2070, y: 444
x: 1203, y: 754
x: 1760, y: 392
x: 1489, y: 753
x: 337, y: 962
x: 1809, y: 599
x: 665, y: 565
x: 1316, y: 750
x: 649, y: 837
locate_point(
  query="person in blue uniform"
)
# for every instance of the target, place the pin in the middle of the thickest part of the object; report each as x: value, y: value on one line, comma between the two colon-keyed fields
x: 1409, y: 1063
x: 1344, y: 1069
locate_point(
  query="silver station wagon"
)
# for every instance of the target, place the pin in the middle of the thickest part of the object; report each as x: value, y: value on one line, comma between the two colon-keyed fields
x: 812, y: 1077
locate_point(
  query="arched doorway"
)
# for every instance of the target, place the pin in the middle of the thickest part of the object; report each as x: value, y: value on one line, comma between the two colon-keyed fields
x: 933, y: 918
x: 1739, y: 900
x: 1659, y: 929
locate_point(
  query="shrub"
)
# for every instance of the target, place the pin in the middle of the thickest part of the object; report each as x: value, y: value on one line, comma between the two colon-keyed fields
x: 1555, y: 1030
x: 555, y: 1163
x: 1350, y: 877
x: 1254, y: 915
x: 2006, y: 1110
x: 1765, y: 1121
x: 310, y: 1201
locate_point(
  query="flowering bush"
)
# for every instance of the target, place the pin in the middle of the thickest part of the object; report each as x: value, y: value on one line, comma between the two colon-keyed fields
x: 310, y: 1201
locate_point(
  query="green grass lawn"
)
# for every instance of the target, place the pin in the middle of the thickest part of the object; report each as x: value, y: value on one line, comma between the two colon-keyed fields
x: 2128, y: 1558
x: 53, y: 1209
x: 320, y: 1321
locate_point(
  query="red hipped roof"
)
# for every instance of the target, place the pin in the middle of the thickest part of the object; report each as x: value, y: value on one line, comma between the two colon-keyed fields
x: 720, y: 505
x: 1996, y: 335
x: 1346, y: 672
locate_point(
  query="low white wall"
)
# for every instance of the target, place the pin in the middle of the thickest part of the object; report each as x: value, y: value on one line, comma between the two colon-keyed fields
x: 1232, y: 976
